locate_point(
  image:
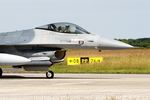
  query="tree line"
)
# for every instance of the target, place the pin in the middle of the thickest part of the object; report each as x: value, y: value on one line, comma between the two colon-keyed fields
x: 141, y: 42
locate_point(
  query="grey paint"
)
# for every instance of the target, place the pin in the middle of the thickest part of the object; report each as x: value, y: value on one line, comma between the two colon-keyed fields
x: 44, y: 43
x: 17, y: 37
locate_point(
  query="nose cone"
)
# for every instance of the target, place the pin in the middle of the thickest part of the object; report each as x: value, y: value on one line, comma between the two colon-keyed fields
x: 113, y: 44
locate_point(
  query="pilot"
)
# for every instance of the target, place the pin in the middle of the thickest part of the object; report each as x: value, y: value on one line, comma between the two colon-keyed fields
x: 67, y: 29
x: 60, y: 29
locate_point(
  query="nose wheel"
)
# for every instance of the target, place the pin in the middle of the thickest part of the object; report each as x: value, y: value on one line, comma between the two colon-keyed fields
x: 1, y: 72
x: 50, y: 74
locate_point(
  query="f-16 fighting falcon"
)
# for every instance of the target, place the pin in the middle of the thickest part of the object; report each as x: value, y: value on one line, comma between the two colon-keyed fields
x: 39, y: 48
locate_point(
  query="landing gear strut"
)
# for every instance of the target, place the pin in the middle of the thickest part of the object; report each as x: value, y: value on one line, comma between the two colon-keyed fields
x: 50, y: 74
x: 1, y: 72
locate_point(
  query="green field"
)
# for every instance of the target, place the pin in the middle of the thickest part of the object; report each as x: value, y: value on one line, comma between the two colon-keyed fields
x: 117, y: 61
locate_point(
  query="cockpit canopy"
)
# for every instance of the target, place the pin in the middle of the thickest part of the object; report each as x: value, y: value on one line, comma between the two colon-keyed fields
x: 64, y: 28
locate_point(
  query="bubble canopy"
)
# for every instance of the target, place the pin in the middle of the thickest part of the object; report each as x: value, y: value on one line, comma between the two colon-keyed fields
x: 63, y: 27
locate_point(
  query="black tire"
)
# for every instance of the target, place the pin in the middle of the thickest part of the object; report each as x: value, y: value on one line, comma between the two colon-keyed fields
x: 50, y: 74
x: 1, y: 72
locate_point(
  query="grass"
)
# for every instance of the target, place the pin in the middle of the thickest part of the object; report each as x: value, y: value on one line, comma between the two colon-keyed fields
x: 134, y: 61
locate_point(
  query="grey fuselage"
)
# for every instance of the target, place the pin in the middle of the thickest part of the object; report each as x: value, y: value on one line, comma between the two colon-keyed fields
x: 52, y: 37
x: 27, y: 42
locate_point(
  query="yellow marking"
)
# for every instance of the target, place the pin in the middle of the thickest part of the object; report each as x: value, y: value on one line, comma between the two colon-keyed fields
x: 83, y: 60
x: 73, y: 61
x: 93, y: 60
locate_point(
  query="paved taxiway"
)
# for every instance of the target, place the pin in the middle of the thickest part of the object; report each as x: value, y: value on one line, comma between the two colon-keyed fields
x: 75, y: 87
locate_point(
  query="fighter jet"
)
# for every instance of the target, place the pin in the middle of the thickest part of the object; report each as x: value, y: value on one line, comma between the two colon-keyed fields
x: 39, y: 48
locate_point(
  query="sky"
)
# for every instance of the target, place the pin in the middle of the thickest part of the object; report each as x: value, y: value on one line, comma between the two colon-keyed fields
x: 108, y: 18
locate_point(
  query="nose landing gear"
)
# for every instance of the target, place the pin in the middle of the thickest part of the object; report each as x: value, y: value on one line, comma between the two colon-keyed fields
x: 1, y: 72
x: 50, y: 74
